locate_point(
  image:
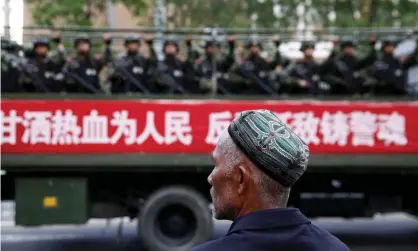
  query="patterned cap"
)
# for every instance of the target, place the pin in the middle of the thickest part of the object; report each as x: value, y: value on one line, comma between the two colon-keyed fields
x: 270, y: 145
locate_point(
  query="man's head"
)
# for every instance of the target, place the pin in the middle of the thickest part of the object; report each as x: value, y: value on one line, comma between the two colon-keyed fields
x: 132, y: 43
x: 170, y: 47
x: 388, y: 45
x: 246, y: 176
x: 41, y: 46
x: 82, y: 43
x: 348, y: 47
x: 308, y: 49
x: 255, y: 50
x: 388, y: 49
x: 41, y: 50
x: 254, y: 46
x: 209, y: 47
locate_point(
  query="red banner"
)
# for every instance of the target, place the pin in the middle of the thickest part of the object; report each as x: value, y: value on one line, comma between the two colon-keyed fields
x: 190, y: 126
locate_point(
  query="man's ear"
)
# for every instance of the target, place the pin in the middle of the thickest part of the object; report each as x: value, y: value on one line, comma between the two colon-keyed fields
x: 244, y: 177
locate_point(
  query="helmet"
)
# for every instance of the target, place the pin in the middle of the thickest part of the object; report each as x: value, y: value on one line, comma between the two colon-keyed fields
x: 131, y: 39
x: 348, y: 42
x: 40, y: 41
x: 83, y: 37
x: 254, y: 42
x: 209, y: 43
x: 391, y: 40
x: 307, y: 44
x: 171, y: 41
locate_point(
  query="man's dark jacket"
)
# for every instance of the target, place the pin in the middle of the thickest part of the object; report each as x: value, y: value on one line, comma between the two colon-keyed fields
x: 274, y: 230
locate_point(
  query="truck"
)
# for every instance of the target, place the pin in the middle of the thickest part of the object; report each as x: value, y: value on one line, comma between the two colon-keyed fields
x: 68, y: 159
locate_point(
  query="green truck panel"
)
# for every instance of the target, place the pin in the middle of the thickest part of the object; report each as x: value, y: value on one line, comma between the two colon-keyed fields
x: 194, y: 162
x: 43, y: 201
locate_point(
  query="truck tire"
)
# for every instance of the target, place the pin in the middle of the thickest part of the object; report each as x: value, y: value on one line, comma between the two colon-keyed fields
x: 175, y: 218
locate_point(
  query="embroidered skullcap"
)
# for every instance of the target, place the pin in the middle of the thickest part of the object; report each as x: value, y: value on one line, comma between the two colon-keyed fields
x: 270, y: 145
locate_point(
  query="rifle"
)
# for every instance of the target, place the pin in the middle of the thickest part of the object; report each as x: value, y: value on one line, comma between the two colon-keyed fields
x: 131, y: 78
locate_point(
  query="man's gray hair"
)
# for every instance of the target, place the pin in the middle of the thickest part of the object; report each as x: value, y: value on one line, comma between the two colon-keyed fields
x: 231, y: 152
x: 269, y: 189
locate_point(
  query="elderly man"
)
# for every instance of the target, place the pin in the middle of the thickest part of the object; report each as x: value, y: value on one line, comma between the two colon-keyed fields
x: 257, y: 160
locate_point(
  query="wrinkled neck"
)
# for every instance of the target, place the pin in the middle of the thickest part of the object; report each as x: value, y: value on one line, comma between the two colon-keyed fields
x: 253, y: 206
x: 257, y: 202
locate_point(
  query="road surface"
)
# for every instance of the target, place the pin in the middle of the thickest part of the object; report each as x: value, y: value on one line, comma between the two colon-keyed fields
x: 393, y: 232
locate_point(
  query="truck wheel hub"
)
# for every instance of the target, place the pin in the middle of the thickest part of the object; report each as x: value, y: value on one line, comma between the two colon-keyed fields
x: 176, y: 221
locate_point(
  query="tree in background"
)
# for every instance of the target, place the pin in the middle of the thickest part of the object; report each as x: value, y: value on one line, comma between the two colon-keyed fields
x: 284, y: 13
x: 242, y: 13
x: 181, y: 13
x: 76, y: 12
x: 366, y: 13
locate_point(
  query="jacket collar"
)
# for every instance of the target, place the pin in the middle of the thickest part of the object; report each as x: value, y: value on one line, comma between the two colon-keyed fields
x: 266, y: 219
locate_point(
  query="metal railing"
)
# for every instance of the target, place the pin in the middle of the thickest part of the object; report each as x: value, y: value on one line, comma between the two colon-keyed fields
x: 285, y: 34
x: 206, y: 30
x: 67, y: 34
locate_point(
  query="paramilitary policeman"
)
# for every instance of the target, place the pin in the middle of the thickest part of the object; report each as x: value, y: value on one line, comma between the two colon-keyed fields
x: 41, y: 73
x: 391, y: 72
x: 10, y: 66
x: 388, y: 70
x: 211, y: 66
x: 28, y: 51
x: 131, y: 72
x: 279, y: 60
x: 348, y: 67
x: 257, y: 70
x: 60, y: 54
x: 173, y: 75
x: 82, y: 72
x: 193, y: 55
x: 303, y: 76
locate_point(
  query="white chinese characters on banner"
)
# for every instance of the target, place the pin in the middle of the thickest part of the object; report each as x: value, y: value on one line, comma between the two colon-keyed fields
x: 150, y: 130
x: 330, y: 128
x: 125, y: 127
x: 177, y: 128
x: 392, y: 129
x: 334, y: 128
x: 65, y: 130
x: 95, y: 129
x: 9, y: 127
x: 363, y: 128
x: 284, y: 117
x: 37, y: 128
x: 305, y: 125
x: 218, y: 123
x: 358, y: 128
x: 47, y: 128
x: 62, y: 128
